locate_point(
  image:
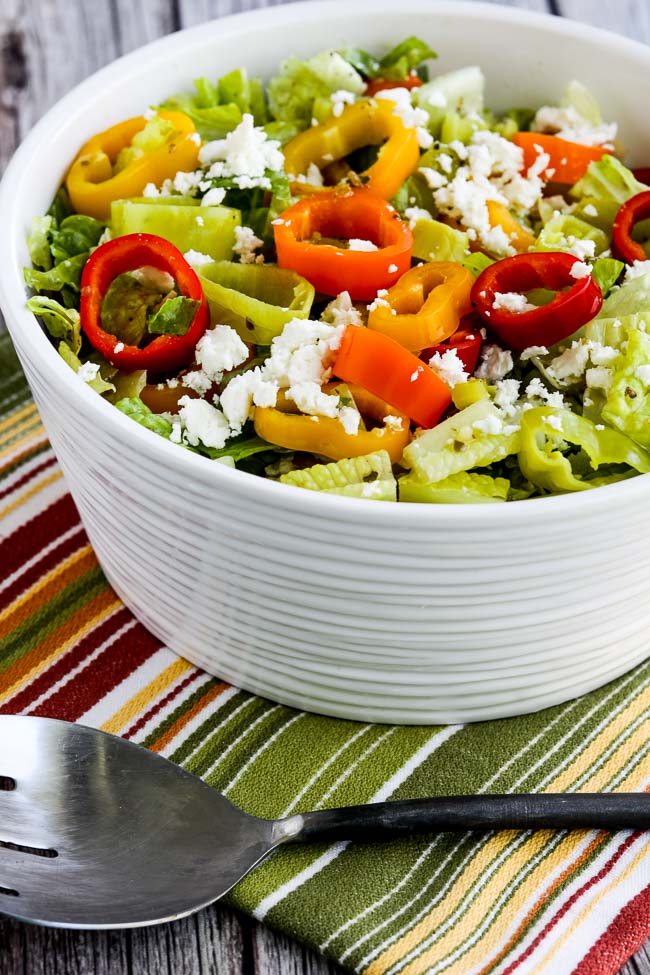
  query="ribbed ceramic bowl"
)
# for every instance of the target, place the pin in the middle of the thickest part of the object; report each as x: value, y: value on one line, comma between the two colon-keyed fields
x: 400, y: 613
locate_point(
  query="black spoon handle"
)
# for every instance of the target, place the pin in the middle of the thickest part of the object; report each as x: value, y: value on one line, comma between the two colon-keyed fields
x: 387, y: 820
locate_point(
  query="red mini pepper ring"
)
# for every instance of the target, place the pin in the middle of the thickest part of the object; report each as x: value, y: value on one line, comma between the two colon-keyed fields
x: 347, y: 214
x: 635, y: 209
x: 465, y: 342
x: 384, y: 367
x: 383, y: 84
x: 550, y: 323
x: 127, y: 253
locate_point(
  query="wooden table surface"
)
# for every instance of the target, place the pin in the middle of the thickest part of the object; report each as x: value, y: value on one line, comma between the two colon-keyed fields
x: 46, y: 47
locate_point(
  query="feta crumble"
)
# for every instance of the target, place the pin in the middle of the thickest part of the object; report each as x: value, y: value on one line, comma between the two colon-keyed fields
x: 339, y: 100
x: 495, y: 363
x: 532, y: 350
x: 567, y: 123
x: 511, y: 301
x: 357, y: 244
x: 197, y: 259
x: 213, y: 197
x: 220, y: 350
x: 246, y: 151
x: 203, y: 423
x: 411, y: 117
x: 341, y: 311
x: 449, y: 367
x: 246, y: 243
x: 88, y: 371
x: 580, y: 270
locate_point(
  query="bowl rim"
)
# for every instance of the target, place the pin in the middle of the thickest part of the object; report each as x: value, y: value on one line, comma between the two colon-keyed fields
x: 210, y: 473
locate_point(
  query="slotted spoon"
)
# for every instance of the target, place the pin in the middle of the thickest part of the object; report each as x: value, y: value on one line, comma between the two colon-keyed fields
x: 97, y: 832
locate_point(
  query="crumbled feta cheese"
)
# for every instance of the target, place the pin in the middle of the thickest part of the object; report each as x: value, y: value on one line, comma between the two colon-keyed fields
x: 357, y: 244
x: 490, y: 424
x: 590, y: 210
x: 197, y: 259
x: 531, y: 351
x: 341, y: 311
x: 445, y: 162
x: 437, y: 99
x: 171, y: 383
x: 413, y: 214
x: 392, y: 268
x: 412, y: 117
x: 350, y: 418
x: 88, y: 371
x: 118, y: 347
x: 153, y: 277
x: 506, y: 395
x: 449, y: 367
x: 246, y: 151
x: 580, y: 270
x: 199, y: 221
x: 495, y: 363
x: 393, y: 422
x: 571, y: 363
x: 203, y: 423
x: 195, y: 138
x: 149, y: 114
x: 150, y: 191
x: 246, y: 243
x: 600, y: 377
x: 242, y: 392
x: 303, y: 351
x: 197, y: 380
x: 220, y: 350
x: 536, y: 390
x: 177, y: 430
x: 567, y: 123
x: 310, y: 398
x: 511, y: 301
x: 555, y: 422
x: 602, y: 355
x: 580, y: 248
x: 313, y: 176
x: 637, y: 270
x: 187, y: 184
x: 213, y: 197
x: 433, y: 178
x: 643, y: 373
x: 492, y: 172
x: 339, y: 100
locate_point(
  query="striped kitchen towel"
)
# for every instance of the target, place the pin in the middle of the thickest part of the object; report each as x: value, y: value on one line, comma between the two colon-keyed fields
x: 467, y: 904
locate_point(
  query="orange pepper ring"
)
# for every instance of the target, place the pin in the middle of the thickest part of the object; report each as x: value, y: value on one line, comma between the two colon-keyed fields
x: 345, y: 214
x: 425, y: 306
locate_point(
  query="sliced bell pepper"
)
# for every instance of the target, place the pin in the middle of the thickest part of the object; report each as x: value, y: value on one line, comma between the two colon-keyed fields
x: 344, y: 214
x: 383, y: 84
x: 384, y: 367
x: 91, y: 183
x: 362, y: 124
x: 568, y: 161
x: 635, y: 209
x: 544, y: 325
x: 115, y: 257
x: 425, y: 306
x: 499, y: 216
x: 327, y: 436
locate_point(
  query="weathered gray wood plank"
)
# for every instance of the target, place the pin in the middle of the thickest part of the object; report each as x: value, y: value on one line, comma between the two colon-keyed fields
x: 45, y: 49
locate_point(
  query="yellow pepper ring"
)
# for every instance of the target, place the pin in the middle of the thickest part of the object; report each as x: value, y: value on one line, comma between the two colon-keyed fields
x: 425, y: 306
x: 363, y: 123
x: 90, y: 182
x: 521, y: 239
x: 326, y: 436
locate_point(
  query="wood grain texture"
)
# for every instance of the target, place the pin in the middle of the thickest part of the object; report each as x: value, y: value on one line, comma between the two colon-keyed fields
x: 46, y: 47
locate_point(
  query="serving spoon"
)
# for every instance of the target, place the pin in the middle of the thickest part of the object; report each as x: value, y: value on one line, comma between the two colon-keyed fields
x: 98, y: 832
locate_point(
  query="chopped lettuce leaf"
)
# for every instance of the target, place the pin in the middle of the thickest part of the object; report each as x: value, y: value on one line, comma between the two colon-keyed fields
x: 607, y: 179
x: 96, y: 381
x: 134, y: 407
x: 460, y: 443
x: 236, y: 88
x: 155, y: 134
x: 461, y: 488
x: 606, y: 272
x: 631, y: 298
x: 75, y: 235
x: 38, y: 242
x: 173, y: 317
x: 404, y: 58
x: 369, y: 476
x: 362, y: 62
x: 127, y: 384
x: 614, y: 331
x: 66, y: 274
x: 581, y: 99
x: 563, y: 231
x: 627, y: 406
x: 456, y: 94
x: 477, y: 262
x: 61, y: 323
x: 292, y: 92
x: 211, y: 120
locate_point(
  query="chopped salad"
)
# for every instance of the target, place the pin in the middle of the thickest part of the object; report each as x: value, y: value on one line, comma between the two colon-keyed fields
x: 359, y: 280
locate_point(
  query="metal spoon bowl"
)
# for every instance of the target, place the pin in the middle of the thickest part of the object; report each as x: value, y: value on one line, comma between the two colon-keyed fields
x: 98, y: 832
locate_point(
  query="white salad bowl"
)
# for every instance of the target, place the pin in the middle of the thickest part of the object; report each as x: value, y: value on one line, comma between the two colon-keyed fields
x: 404, y: 613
